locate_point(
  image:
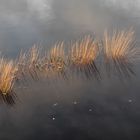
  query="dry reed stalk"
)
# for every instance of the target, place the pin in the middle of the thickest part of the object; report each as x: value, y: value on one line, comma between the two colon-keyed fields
x: 8, y: 71
x: 55, y: 62
x: 21, y: 64
x: 33, y: 65
x: 120, y: 50
x: 82, y: 56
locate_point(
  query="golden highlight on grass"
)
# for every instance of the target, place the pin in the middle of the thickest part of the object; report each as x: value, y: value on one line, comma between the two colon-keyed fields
x: 120, y: 50
x: 8, y: 71
x: 33, y: 56
x: 21, y: 65
x: 55, y: 62
x: 83, y: 54
x: 33, y: 62
x: 119, y: 46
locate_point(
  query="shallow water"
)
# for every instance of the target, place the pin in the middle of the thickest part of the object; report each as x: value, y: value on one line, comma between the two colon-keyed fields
x: 79, y: 108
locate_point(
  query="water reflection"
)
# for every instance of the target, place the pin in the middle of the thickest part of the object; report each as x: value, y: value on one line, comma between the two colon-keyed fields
x: 86, y: 72
x: 120, y: 53
x: 9, y: 99
x: 122, y: 71
x: 86, y: 109
x: 80, y: 61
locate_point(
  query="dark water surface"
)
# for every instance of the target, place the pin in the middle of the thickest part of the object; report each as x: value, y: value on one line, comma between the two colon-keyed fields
x: 77, y: 109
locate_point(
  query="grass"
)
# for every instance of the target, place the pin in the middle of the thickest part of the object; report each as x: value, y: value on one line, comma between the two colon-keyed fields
x: 8, y: 70
x: 33, y: 65
x: 83, y: 54
x: 120, y: 50
x: 56, y: 60
x: 33, y: 56
x: 21, y: 64
x: 120, y: 45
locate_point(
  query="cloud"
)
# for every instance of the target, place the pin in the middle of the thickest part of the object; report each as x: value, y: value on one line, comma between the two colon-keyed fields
x: 16, y: 11
x: 93, y: 15
x: 21, y: 22
x: 40, y: 7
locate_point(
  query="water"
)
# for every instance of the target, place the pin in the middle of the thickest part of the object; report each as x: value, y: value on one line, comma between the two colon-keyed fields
x: 77, y: 109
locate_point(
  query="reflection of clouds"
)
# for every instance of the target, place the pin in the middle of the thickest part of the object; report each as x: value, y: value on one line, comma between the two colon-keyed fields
x: 125, y: 4
x: 22, y: 10
x: 16, y: 13
x: 131, y: 7
x: 21, y: 23
x: 41, y: 7
x: 95, y: 15
x: 25, y: 22
x: 30, y: 117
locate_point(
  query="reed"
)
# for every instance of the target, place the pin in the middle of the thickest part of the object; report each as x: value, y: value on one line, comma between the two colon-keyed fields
x: 120, y: 50
x: 55, y: 63
x: 8, y: 71
x: 119, y: 53
x: 33, y: 62
x: 119, y: 45
x: 83, y: 54
x: 21, y: 65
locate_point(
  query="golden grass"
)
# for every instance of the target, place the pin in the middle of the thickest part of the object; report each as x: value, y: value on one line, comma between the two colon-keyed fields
x: 120, y: 51
x: 119, y: 46
x: 21, y: 64
x: 83, y: 54
x: 33, y: 57
x: 8, y: 70
x: 33, y: 65
x: 55, y: 62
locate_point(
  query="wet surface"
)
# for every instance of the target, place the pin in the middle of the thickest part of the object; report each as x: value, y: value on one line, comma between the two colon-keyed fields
x: 74, y: 108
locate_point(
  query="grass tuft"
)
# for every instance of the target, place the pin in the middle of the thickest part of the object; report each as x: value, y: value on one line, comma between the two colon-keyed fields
x: 82, y: 56
x: 8, y: 71
x: 33, y: 64
x: 120, y: 50
x: 55, y: 62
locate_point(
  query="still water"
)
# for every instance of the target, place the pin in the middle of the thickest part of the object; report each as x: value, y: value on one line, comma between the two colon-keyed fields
x: 80, y: 109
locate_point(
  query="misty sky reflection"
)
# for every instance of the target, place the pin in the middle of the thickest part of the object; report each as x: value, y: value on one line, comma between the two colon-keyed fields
x: 75, y: 109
